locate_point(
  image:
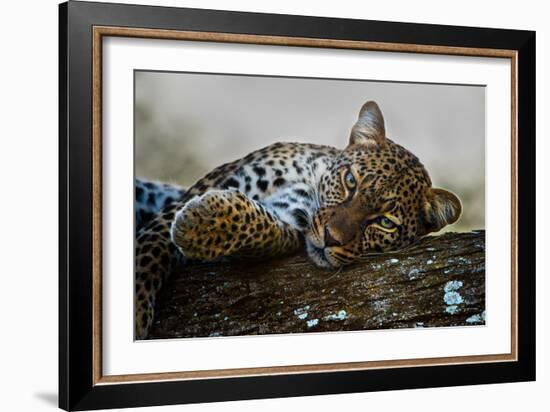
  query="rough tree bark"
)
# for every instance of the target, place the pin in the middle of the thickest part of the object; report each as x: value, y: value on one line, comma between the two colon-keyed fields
x: 440, y: 281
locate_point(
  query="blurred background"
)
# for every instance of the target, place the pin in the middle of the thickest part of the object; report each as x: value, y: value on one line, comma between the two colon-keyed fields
x: 187, y: 124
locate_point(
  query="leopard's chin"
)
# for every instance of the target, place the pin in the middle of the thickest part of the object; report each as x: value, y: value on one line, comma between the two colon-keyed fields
x: 320, y: 257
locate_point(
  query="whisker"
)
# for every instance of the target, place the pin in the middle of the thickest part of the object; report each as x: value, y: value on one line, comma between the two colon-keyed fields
x: 334, y: 274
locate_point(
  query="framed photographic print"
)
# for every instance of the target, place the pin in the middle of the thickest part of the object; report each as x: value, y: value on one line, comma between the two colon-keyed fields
x: 257, y: 205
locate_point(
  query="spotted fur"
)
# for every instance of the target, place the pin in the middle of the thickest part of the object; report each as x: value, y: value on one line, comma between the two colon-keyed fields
x: 340, y: 205
x: 151, y: 197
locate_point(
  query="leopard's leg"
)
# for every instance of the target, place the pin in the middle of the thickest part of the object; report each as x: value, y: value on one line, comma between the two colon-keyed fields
x: 224, y: 223
x: 156, y: 256
x: 217, y: 224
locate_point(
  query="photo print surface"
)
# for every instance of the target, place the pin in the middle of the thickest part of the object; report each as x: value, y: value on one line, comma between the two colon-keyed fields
x: 275, y: 205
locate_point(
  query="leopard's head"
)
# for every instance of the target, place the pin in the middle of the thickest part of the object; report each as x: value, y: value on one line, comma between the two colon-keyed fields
x: 376, y: 197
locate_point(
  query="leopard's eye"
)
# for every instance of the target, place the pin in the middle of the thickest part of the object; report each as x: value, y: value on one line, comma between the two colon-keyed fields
x: 350, y: 180
x: 386, y: 223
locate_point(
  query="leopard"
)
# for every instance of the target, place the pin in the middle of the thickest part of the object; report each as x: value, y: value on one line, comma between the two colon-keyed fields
x: 337, y: 206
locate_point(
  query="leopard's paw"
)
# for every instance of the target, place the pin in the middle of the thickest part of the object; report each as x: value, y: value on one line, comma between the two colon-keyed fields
x: 213, y: 225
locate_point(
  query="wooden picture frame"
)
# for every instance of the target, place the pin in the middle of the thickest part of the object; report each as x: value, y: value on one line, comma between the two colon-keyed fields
x: 82, y: 28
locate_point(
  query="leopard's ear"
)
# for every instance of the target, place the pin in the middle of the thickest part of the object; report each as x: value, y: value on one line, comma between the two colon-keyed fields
x: 369, y: 128
x: 439, y: 209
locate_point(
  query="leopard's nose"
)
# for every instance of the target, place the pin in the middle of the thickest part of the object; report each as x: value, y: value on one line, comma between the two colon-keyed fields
x: 330, y: 240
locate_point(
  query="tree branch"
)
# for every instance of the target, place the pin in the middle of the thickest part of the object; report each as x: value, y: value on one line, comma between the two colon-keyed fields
x: 440, y: 281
